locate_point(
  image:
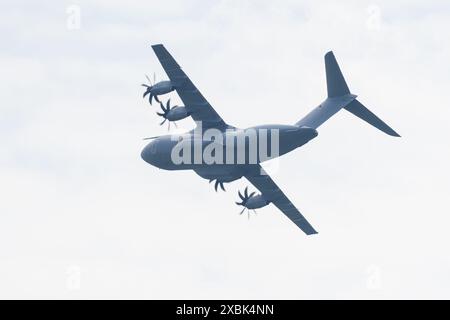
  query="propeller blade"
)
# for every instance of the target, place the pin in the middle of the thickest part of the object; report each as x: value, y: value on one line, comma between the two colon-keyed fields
x: 149, y: 138
x: 242, y: 211
x: 251, y: 194
x: 176, y: 126
x: 162, y: 107
x: 216, y: 185
x: 239, y: 203
x: 246, y: 192
x: 160, y: 114
x: 154, y: 77
x: 146, y: 92
x: 162, y: 122
x: 150, y: 98
x: 168, y: 128
x: 221, y: 186
x: 149, y: 81
x: 156, y: 98
x: 168, y: 105
x: 241, y: 196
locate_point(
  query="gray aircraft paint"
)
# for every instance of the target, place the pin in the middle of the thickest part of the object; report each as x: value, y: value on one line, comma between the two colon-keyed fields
x: 290, y: 137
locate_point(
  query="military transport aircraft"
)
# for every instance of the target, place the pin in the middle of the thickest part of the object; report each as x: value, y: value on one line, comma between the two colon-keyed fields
x: 213, y: 150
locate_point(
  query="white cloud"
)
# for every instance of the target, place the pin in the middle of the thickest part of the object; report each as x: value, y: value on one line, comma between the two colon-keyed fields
x: 76, y: 193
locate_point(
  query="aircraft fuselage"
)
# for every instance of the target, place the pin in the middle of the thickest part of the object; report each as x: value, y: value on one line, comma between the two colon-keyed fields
x: 226, y: 154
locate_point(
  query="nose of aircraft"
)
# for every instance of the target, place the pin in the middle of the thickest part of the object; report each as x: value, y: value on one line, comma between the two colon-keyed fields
x: 149, y: 152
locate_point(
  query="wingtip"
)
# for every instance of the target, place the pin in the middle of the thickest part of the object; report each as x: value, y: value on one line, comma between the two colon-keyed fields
x: 392, y: 133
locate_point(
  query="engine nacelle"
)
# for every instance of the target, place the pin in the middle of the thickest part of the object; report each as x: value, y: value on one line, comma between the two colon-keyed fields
x: 162, y: 87
x: 256, y: 202
x: 177, y: 113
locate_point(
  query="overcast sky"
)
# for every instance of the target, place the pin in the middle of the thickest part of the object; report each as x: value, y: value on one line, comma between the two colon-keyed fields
x: 82, y: 216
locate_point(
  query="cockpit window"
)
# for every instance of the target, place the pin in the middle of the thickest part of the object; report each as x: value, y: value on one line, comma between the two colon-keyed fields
x: 153, y: 147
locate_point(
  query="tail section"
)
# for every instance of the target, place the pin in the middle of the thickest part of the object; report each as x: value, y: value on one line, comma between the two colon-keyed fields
x: 339, y: 97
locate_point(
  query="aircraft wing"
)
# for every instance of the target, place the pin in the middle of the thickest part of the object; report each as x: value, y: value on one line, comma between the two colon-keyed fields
x: 271, y: 192
x: 199, y: 107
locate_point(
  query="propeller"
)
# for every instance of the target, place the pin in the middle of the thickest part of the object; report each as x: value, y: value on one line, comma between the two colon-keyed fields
x: 149, y: 88
x: 244, y: 200
x: 151, y: 138
x: 165, y: 113
x: 217, y: 184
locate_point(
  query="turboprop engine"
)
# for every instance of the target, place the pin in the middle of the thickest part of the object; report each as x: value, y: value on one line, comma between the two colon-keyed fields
x: 251, y: 201
x: 157, y: 88
x: 172, y: 114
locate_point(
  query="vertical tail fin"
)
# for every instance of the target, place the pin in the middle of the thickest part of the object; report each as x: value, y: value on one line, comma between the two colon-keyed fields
x: 336, y: 85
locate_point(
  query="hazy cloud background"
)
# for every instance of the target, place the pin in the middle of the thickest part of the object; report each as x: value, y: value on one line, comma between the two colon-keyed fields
x: 82, y: 216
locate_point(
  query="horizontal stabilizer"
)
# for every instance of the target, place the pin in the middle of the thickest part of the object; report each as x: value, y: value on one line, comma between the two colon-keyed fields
x: 365, y: 114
